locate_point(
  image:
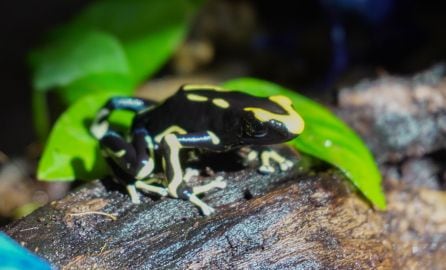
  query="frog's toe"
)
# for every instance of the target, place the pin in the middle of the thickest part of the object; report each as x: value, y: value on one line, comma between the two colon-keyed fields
x: 135, y: 199
x: 266, y: 169
x: 219, y: 183
x: 190, y: 173
x: 285, y: 165
x: 207, y: 210
x: 248, y: 156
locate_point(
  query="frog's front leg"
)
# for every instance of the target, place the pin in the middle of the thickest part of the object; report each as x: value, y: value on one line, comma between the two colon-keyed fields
x: 267, y: 156
x: 171, y: 145
x: 131, y: 162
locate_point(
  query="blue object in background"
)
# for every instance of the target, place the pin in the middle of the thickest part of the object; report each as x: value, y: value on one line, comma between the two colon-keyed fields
x: 373, y: 12
x: 15, y: 257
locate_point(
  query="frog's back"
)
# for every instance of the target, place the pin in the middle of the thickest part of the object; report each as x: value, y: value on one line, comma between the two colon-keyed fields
x: 205, y: 108
x: 189, y: 111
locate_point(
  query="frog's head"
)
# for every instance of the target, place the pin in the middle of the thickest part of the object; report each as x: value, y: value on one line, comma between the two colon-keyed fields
x: 274, y: 120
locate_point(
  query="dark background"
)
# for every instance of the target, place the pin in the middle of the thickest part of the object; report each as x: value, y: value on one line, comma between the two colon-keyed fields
x: 284, y: 43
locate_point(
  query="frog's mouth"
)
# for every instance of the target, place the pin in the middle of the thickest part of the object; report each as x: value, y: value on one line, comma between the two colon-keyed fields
x: 292, y: 121
x: 273, y: 136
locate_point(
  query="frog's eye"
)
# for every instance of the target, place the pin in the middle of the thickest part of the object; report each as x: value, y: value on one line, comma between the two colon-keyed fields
x: 258, y: 129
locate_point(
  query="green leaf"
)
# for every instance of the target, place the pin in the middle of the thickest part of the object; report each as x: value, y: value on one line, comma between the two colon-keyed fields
x: 71, y: 151
x: 326, y: 137
x: 68, y: 60
x: 111, y: 44
x: 149, y: 30
x: 96, y: 84
x: 40, y: 115
x: 127, y: 38
x: 147, y: 55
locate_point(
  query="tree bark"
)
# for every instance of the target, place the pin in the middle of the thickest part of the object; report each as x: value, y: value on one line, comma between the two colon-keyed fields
x: 281, y: 221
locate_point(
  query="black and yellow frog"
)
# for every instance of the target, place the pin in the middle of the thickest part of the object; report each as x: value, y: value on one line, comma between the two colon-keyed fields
x: 202, y: 117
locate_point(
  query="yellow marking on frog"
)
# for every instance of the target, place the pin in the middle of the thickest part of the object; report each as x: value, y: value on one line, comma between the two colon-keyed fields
x: 220, y: 103
x: 198, y: 98
x: 292, y: 120
x: 217, y: 183
x: 131, y: 189
x: 151, y: 188
x: 143, y: 111
x: 146, y: 170
x: 190, y: 87
x: 171, y: 129
x: 150, y: 146
x: 119, y: 153
x: 174, y: 160
x: 100, y: 128
x: 214, y: 138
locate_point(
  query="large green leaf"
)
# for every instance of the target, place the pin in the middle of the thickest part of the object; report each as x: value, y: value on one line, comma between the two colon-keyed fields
x: 149, y: 30
x: 96, y: 84
x: 127, y: 38
x: 111, y: 44
x: 71, y: 152
x: 69, y: 60
x: 326, y: 137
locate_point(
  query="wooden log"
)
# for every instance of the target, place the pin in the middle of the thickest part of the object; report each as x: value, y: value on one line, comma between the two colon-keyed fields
x: 291, y: 220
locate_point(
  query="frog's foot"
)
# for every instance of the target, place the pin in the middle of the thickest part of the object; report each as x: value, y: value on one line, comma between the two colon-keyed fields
x: 141, y: 185
x: 268, y: 155
x: 134, y: 196
x: 205, y: 209
x: 217, y: 183
x: 162, y: 191
x: 248, y: 155
x: 190, y: 193
x: 190, y: 173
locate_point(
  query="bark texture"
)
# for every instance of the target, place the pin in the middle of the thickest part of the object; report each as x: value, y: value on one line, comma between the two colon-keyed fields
x: 283, y: 221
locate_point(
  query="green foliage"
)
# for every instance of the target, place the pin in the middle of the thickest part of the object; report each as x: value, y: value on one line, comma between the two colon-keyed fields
x: 69, y: 60
x: 111, y: 45
x: 71, y: 152
x: 326, y: 137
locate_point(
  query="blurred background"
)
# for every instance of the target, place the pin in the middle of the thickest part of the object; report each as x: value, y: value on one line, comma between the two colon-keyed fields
x: 315, y: 47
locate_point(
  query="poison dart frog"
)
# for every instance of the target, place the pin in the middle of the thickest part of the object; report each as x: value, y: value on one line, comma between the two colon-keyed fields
x: 202, y: 117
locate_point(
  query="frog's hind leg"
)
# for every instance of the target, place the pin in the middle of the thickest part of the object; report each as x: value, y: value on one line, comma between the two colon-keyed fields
x: 142, y: 185
x: 100, y: 125
x: 217, y: 183
x: 190, y: 193
x: 133, y: 161
x: 171, y: 145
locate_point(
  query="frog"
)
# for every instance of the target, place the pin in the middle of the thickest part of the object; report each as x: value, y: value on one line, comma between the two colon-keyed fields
x: 204, y: 117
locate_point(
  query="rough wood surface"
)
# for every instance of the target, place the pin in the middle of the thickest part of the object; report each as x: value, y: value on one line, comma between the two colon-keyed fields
x: 283, y: 221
